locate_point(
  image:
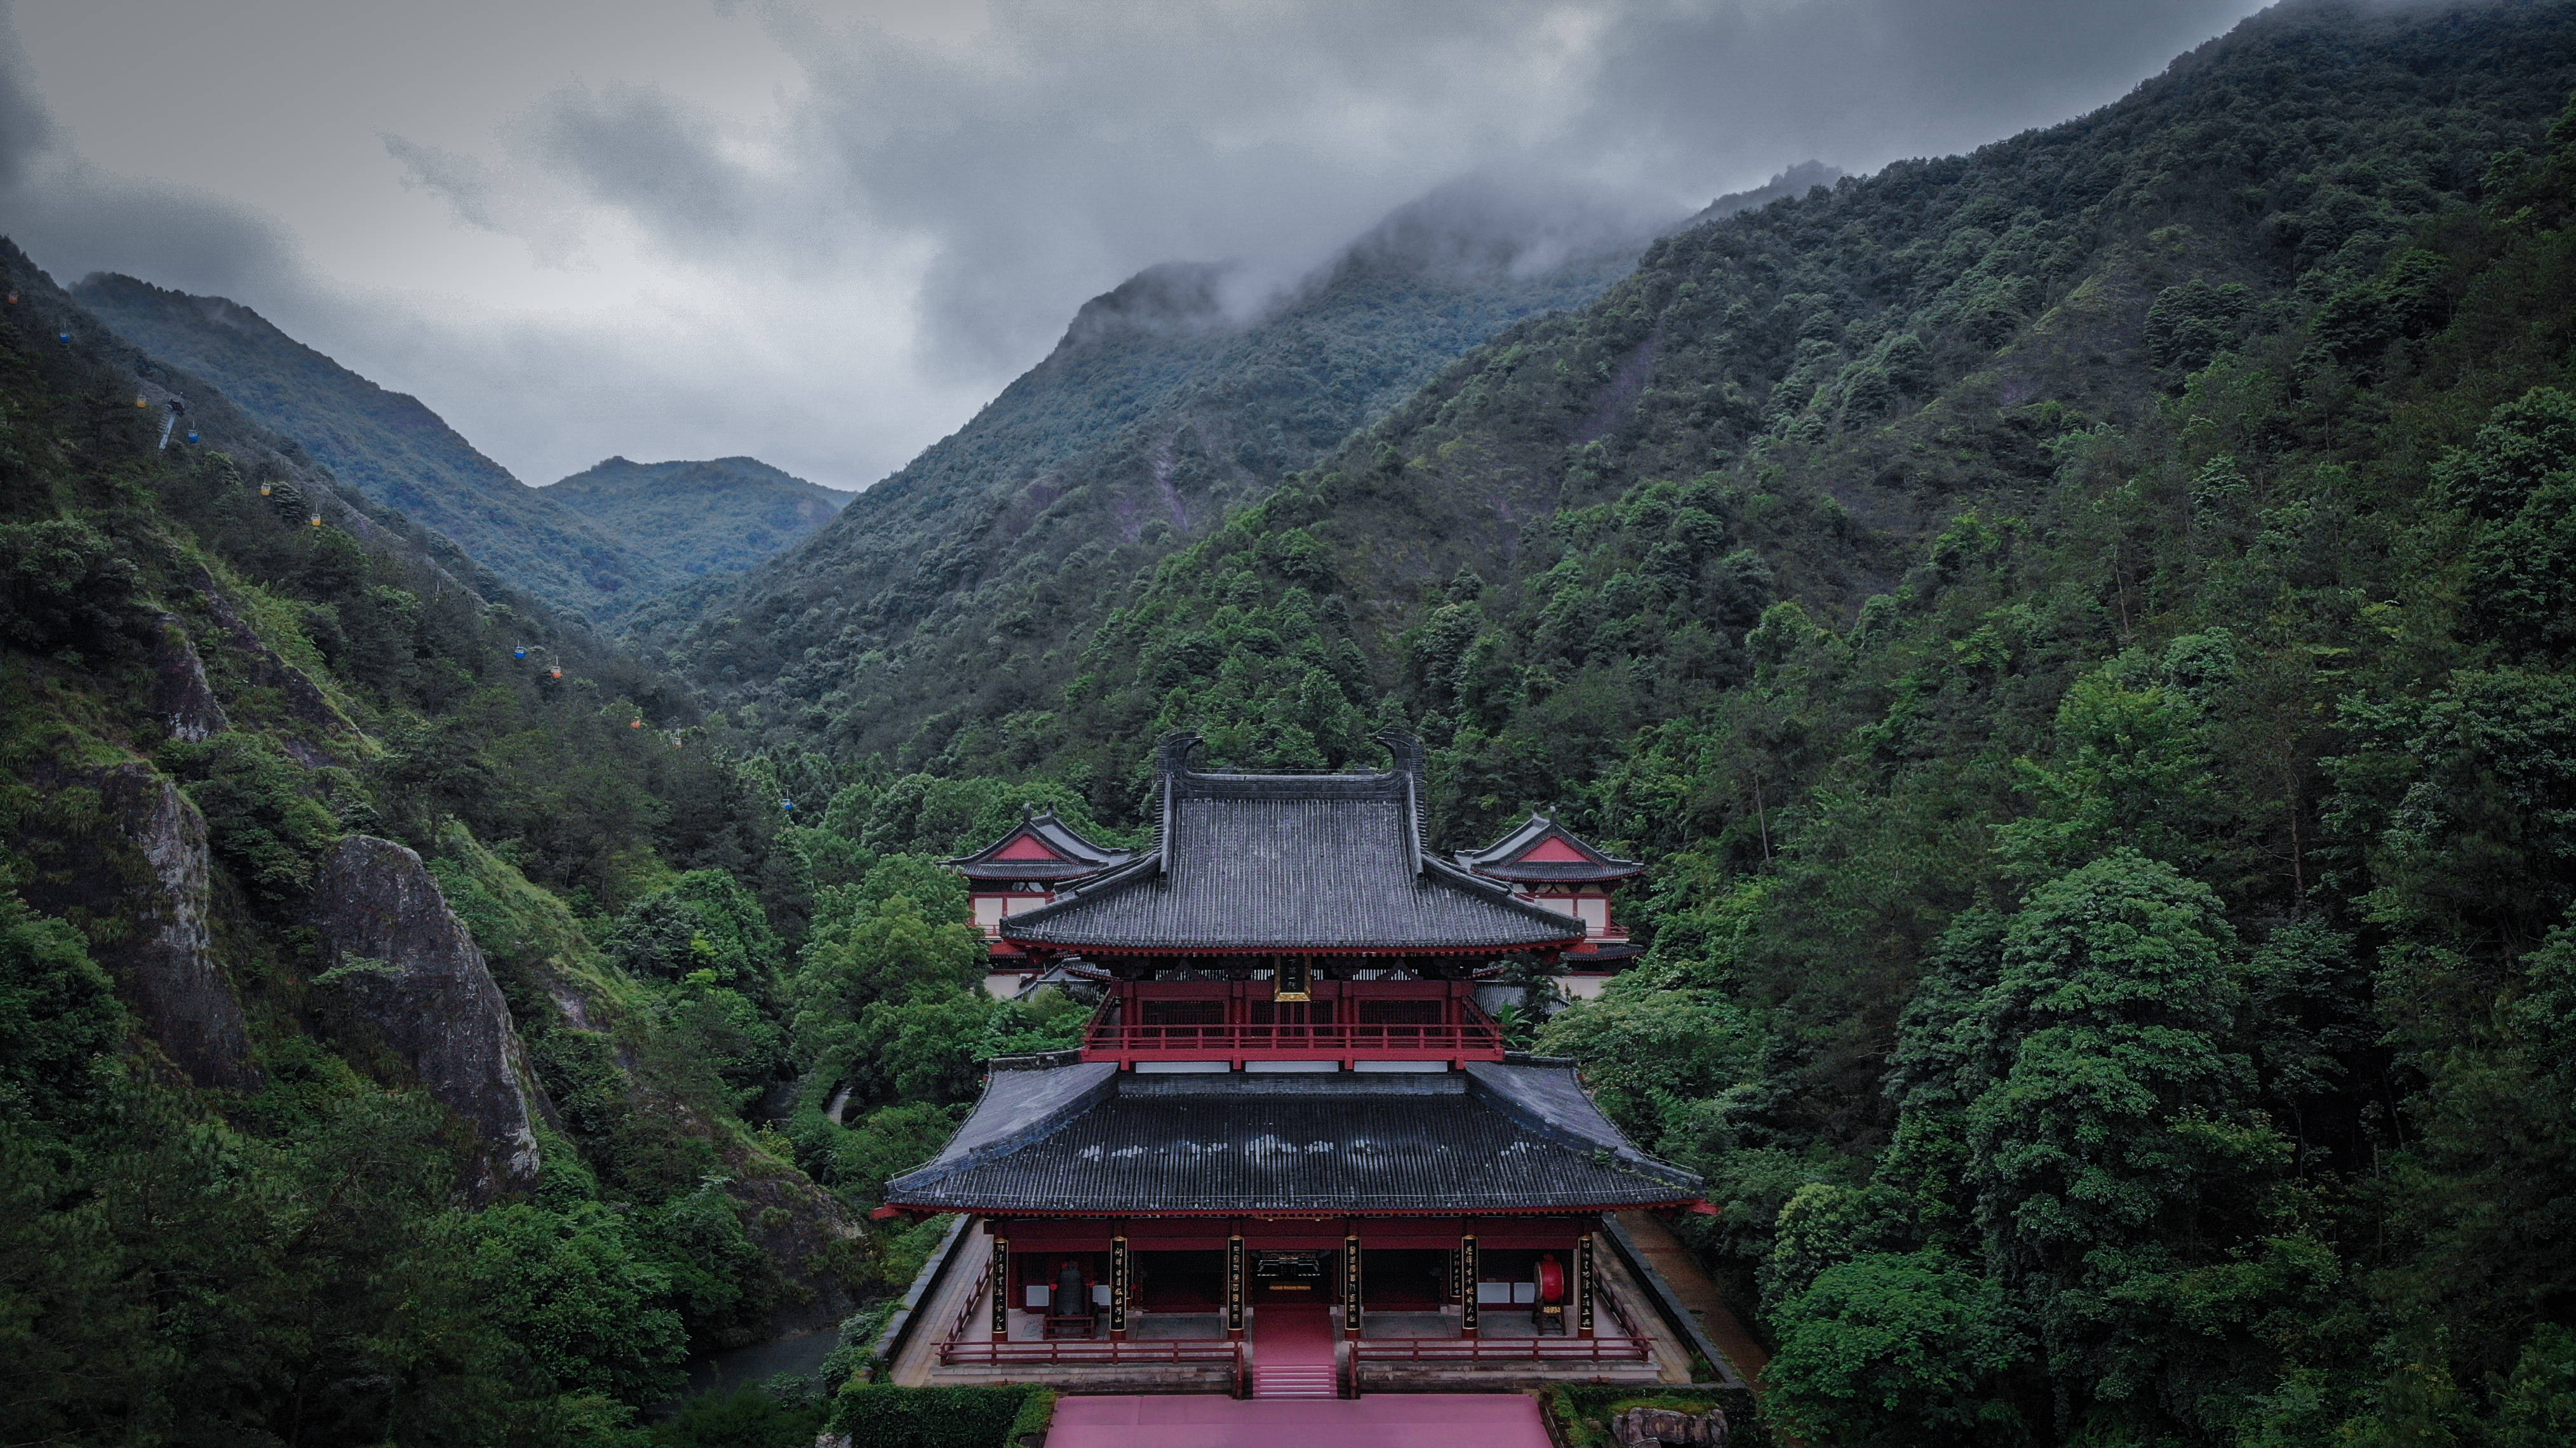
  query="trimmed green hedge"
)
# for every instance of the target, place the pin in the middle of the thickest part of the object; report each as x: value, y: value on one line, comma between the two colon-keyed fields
x: 1581, y: 1415
x: 878, y: 1415
x: 1035, y: 1414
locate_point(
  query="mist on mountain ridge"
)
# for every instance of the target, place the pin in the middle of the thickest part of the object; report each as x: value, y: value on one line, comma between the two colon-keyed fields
x: 1182, y: 394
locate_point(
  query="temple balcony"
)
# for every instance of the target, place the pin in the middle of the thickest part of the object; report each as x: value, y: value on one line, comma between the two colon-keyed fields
x: 1345, y: 1025
x: 1352, y: 1047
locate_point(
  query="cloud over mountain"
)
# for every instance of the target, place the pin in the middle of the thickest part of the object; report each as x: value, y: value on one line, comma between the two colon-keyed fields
x: 826, y: 232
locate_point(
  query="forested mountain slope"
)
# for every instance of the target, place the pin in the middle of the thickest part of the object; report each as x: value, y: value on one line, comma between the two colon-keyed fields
x: 2081, y: 633
x: 389, y: 447
x: 1824, y: 383
x: 1179, y: 395
x: 389, y: 975
x: 721, y: 515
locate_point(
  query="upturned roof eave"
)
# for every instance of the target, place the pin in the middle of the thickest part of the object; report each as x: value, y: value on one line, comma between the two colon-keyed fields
x: 1439, y: 947
x: 1498, y: 858
x: 1561, y: 874
x: 1319, y: 1211
x: 1055, y: 834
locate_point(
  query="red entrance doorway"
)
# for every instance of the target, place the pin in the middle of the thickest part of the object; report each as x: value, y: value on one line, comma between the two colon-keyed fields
x: 1295, y: 1277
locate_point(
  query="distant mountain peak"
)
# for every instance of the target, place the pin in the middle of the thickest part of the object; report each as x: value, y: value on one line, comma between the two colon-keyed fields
x: 705, y: 515
x: 636, y: 530
x: 1168, y: 297
x: 1508, y: 225
x: 1795, y: 181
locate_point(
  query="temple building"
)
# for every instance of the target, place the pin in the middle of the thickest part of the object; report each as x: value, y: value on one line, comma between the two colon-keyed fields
x: 1292, y: 1155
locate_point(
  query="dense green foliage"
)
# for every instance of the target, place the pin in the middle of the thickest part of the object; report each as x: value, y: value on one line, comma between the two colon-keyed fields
x: 2079, y: 631
x: 746, y: 1419
x: 301, y: 1258
x: 891, y: 1023
x: 718, y: 516
x: 389, y: 447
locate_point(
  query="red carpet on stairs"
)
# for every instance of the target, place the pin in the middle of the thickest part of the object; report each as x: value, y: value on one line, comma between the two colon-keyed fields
x: 1292, y: 1352
x: 1382, y: 1420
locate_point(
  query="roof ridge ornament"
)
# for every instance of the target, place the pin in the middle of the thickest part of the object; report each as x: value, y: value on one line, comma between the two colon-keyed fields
x: 1406, y: 747
x: 1172, y: 752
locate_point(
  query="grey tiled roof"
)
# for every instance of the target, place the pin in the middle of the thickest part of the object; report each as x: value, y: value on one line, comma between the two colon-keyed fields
x: 1501, y: 858
x: 1290, y: 862
x: 1080, y: 856
x: 1497, y: 1138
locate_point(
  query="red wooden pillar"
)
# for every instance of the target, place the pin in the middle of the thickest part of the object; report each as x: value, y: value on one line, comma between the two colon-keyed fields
x: 1234, y: 1266
x: 1351, y: 1278
x: 1118, y: 1272
x: 1467, y: 1282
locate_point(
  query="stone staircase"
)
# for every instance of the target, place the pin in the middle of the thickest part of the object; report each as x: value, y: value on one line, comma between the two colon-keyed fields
x: 1294, y: 1353
x: 1296, y: 1380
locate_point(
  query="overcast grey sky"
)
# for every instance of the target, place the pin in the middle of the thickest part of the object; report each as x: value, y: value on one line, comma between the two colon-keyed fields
x: 825, y: 233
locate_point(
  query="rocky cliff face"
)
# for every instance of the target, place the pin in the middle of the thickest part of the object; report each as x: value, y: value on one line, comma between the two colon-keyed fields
x: 181, y: 697
x: 165, y: 967
x: 406, y: 966
x: 807, y: 1233
x: 137, y: 877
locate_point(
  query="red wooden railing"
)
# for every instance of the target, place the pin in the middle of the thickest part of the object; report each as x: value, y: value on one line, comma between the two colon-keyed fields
x: 1501, y: 1349
x: 969, y: 1341
x: 974, y: 1300
x: 1091, y: 1352
x: 1358, y: 1041
x: 1626, y: 1345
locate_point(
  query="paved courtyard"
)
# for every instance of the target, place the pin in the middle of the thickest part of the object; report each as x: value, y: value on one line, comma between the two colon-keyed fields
x: 1382, y: 1420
